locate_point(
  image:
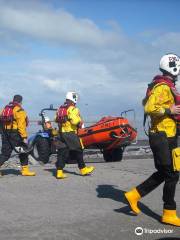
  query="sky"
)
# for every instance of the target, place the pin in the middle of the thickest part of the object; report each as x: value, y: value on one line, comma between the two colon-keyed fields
x: 106, y: 50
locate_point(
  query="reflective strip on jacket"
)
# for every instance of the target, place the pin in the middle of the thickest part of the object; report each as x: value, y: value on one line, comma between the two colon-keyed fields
x: 161, y: 98
x: 74, y: 120
x: 19, y: 121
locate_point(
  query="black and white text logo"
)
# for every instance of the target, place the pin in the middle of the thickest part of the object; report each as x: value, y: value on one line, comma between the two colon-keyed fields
x: 139, y: 231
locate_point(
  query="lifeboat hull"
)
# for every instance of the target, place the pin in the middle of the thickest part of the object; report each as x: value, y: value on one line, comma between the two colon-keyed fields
x: 108, y: 133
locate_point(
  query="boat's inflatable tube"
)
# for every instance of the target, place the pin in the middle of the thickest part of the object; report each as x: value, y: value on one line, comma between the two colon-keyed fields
x: 109, y: 132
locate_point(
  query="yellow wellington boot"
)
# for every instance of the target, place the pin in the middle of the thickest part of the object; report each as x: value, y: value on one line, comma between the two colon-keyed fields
x: 87, y: 170
x: 133, y: 197
x: 60, y: 174
x: 26, y: 172
x: 170, y: 217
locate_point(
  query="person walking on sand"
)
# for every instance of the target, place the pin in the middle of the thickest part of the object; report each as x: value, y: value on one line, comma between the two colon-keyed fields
x: 14, y: 122
x: 69, y: 120
x: 162, y: 104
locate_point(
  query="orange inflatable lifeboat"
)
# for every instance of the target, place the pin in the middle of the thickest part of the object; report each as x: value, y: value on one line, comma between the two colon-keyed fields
x: 110, y: 135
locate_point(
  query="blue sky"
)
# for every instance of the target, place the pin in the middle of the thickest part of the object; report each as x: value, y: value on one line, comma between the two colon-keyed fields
x: 133, y: 15
x: 106, y: 50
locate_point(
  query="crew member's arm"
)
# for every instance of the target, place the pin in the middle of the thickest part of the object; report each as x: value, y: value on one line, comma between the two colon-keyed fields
x: 74, y: 116
x: 20, y: 117
x: 160, y: 101
x: 55, y: 117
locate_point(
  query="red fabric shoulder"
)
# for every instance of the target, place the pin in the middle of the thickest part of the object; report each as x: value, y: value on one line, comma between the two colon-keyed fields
x: 163, y: 79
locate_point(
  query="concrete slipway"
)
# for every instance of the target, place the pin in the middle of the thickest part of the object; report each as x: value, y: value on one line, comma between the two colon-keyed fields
x: 81, y: 208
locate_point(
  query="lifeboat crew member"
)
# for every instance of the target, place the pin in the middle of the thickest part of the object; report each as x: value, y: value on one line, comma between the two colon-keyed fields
x: 69, y: 120
x: 162, y: 104
x: 14, y: 122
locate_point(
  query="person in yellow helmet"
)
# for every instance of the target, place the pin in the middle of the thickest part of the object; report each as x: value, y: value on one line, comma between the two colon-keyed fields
x: 69, y: 120
x: 14, y: 122
x: 163, y: 106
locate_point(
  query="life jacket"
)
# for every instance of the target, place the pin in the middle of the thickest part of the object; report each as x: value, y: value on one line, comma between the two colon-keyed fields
x: 159, y: 79
x: 7, y: 115
x: 62, y: 113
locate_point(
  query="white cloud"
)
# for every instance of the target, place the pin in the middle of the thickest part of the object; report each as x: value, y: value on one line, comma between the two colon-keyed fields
x: 11, y: 44
x: 109, y: 69
x: 169, y: 42
x: 61, y: 76
x: 56, y: 25
x: 104, y: 91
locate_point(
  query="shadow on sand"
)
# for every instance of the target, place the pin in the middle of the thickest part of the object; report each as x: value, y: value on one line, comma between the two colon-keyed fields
x: 168, y: 238
x: 53, y: 172
x: 10, y: 171
x: 111, y: 192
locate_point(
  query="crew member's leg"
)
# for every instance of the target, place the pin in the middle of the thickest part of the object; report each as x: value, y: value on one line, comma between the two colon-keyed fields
x: 78, y: 156
x: 6, y: 150
x: 171, y: 179
x: 162, y: 157
x: 23, y: 157
x: 75, y: 145
x: 62, y: 157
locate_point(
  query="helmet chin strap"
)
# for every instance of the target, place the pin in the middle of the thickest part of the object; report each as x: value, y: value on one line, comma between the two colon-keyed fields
x: 170, y: 76
x: 70, y: 101
x: 175, y: 79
